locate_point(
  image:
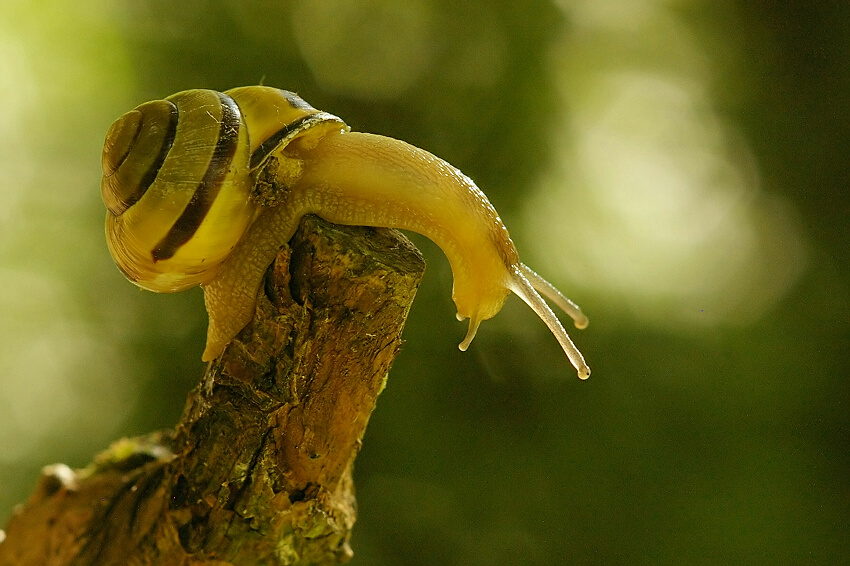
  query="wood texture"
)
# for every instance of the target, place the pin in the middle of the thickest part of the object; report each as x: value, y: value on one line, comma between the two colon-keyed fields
x: 258, y: 470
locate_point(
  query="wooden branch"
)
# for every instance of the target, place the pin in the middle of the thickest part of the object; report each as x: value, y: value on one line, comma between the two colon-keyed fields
x: 258, y: 470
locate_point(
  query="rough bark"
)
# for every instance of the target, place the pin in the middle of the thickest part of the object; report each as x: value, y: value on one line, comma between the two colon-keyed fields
x: 258, y: 470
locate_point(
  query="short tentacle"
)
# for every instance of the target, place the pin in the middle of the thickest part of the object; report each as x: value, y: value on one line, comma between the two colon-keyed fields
x: 474, y: 323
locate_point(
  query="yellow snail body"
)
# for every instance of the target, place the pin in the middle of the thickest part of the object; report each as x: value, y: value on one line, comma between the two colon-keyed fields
x: 180, y: 180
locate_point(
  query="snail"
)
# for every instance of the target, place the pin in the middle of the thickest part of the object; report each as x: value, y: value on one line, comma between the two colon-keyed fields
x: 186, y: 184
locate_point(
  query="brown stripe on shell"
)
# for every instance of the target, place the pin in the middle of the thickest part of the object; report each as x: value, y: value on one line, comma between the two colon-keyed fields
x: 296, y: 101
x: 275, y: 139
x: 149, y: 176
x: 116, y: 165
x: 204, y: 197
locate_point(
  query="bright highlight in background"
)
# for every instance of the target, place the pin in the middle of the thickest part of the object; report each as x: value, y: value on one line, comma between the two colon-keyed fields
x: 64, y: 385
x: 657, y: 199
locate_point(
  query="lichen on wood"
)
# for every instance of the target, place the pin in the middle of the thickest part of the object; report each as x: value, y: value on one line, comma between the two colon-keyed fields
x: 259, y: 468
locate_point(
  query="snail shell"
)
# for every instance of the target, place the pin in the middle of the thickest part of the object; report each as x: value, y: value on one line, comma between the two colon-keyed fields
x: 185, y: 183
x: 177, y: 179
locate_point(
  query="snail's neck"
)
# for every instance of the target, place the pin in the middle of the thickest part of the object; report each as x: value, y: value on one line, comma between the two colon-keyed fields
x: 370, y: 180
x: 373, y: 180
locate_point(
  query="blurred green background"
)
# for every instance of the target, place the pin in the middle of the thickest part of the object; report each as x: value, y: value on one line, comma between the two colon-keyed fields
x: 678, y: 168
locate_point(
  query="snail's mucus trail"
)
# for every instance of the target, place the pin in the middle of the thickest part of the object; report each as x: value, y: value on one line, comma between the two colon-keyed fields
x: 204, y: 197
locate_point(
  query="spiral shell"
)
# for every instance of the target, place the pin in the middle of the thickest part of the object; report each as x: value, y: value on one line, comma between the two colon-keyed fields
x: 178, y: 175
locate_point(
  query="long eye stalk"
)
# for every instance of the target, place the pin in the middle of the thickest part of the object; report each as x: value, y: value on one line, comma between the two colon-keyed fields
x: 525, y: 283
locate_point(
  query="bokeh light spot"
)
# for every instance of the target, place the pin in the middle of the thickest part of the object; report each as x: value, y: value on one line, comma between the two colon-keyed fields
x: 657, y: 199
